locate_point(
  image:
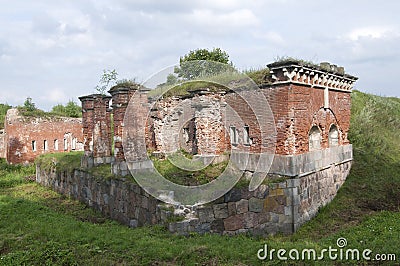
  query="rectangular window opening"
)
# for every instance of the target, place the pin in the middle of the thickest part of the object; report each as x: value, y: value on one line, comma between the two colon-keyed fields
x: 33, y: 145
x: 56, y: 144
x: 73, y: 144
x: 45, y: 145
x: 233, y: 135
x: 246, y: 135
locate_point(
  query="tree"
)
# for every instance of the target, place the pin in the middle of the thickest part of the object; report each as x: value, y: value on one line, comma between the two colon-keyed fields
x: 3, y: 112
x: 58, y: 109
x: 71, y: 109
x: 171, y: 79
x: 189, y: 70
x: 108, y: 78
x: 29, y: 105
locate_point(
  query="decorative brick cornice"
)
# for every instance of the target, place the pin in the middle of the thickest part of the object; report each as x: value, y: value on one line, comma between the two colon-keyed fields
x: 293, y: 72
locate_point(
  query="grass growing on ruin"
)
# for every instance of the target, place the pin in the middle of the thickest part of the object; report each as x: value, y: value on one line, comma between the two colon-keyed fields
x: 185, y: 177
x: 60, y: 161
x: 67, y: 162
x: 215, y: 83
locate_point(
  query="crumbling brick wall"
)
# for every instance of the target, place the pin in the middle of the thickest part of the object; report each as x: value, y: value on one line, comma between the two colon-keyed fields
x: 2, y: 144
x: 28, y: 137
x: 297, y: 108
x: 96, y: 128
x: 305, y: 104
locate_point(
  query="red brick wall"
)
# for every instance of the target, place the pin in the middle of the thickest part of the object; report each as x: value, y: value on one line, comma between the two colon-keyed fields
x: 277, y: 98
x: 306, y: 108
x: 120, y: 101
x: 87, y: 122
x: 102, y: 127
x: 22, y: 131
x: 295, y: 109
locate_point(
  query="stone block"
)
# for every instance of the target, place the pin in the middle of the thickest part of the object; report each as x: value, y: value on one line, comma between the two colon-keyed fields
x: 217, y: 226
x: 133, y: 223
x: 250, y: 220
x: 276, y: 192
x: 220, y: 210
x: 233, y: 195
x: 205, y: 214
x: 263, y: 217
x: 231, y: 208
x: 256, y: 205
x: 203, y: 228
x: 242, y: 206
x: 234, y: 223
x: 182, y: 227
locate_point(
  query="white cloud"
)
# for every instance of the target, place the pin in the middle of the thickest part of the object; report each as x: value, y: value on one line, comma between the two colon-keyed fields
x: 55, y: 95
x: 373, y: 32
x: 221, y: 22
x: 270, y: 36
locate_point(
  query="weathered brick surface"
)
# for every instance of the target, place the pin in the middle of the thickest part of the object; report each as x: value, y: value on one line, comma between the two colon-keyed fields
x: 295, y: 110
x: 2, y: 144
x: 23, y: 134
x: 120, y: 100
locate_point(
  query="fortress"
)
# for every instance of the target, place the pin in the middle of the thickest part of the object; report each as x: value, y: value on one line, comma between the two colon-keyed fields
x: 310, y: 107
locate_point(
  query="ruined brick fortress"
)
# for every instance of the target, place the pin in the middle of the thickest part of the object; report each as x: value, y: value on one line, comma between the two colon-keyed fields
x: 24, y: 137
x: 312, y: 155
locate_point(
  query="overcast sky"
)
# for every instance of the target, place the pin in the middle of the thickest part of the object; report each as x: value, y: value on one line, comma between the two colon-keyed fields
x: 54, y: 51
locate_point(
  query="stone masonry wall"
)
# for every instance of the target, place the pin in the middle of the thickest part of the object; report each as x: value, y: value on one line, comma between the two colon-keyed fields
x: 28, y: 137
x: 280, y: 207
x: 119, y: 199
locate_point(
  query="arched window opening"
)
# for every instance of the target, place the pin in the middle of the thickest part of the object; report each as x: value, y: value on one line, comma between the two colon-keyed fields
x: 314, y: 139
x: 333, y: 136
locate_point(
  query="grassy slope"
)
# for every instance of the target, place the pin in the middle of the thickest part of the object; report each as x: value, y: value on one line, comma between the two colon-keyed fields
x: 38, y: 226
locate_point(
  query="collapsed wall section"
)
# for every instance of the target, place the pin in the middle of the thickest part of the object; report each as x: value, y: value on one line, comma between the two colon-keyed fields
x: 96, y: 117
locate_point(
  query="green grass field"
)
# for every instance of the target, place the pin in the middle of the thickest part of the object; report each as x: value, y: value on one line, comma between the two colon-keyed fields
x: 41, y: 227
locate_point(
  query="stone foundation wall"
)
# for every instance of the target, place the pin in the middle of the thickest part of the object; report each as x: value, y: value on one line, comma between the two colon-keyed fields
x: 278, y: 207
x: 119, y: 199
